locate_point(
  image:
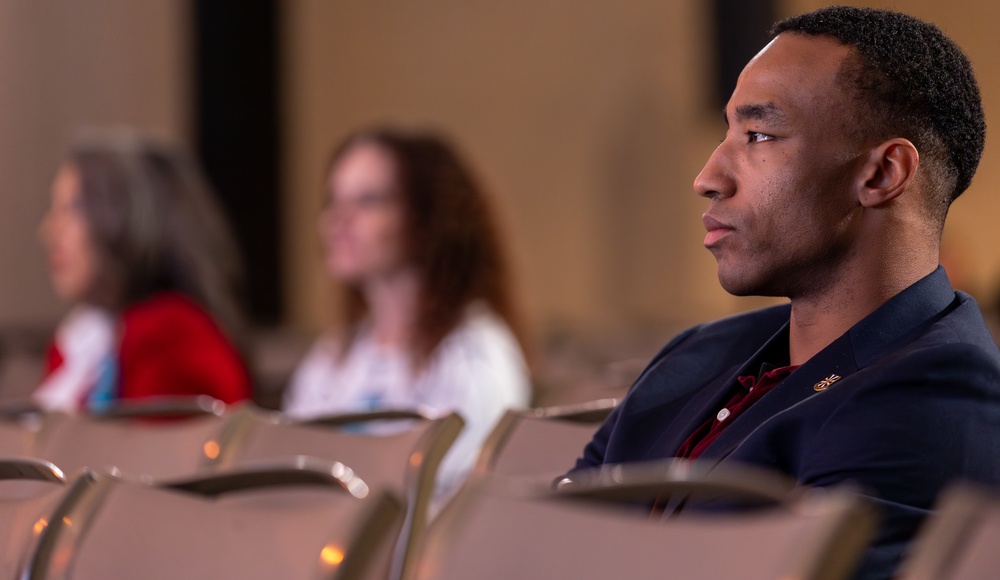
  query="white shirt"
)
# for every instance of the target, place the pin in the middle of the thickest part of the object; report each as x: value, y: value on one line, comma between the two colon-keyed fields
x: 478, y: 371
x: 85, y: 339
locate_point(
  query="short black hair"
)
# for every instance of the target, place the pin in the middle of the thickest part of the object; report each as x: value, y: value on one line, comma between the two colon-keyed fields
x: 912, y: 81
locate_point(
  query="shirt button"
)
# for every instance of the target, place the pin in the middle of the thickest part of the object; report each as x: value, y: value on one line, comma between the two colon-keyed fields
x: 723, y: 415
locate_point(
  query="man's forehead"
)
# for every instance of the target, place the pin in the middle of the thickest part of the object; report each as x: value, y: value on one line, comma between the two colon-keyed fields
x: 803, y: 48
x: 792, y: 71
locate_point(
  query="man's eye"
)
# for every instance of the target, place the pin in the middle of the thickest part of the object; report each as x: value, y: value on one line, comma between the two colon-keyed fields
x: 755, y: 137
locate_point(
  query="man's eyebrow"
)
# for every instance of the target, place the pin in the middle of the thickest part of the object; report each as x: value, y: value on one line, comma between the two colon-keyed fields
x: 757, y: 112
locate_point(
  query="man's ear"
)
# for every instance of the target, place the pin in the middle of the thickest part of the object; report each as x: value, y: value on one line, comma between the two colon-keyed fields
x: 887, y: 172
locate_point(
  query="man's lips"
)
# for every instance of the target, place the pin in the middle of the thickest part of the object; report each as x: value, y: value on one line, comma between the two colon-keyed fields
x: 716, y: 230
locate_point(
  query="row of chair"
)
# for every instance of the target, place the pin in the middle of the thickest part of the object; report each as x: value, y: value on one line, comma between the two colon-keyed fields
x: 134, y: 438
x: 315, y: 519
x: 138, y: 442
x: 258, y: 500
x: 957, y: 541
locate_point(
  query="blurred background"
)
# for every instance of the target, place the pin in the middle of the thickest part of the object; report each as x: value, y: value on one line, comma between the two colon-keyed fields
x: 587, y: 121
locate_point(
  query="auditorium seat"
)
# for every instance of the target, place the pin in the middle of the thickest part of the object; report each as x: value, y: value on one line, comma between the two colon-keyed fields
x: 960, y: 540
x: 395, y: 450
x: 30, y: 490
x: 501, y: 528
x: 136, y: 438
x: 296, y: 518
x: 541, y: 442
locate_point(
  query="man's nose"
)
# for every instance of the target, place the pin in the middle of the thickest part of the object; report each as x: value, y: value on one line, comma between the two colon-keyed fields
x: 715, y: 179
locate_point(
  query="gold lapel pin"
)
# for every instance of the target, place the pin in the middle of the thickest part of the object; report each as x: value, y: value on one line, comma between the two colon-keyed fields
x: 825, y: 383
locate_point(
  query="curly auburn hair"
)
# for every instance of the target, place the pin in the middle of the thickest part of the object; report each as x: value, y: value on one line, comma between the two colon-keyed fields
x: 450, y: 234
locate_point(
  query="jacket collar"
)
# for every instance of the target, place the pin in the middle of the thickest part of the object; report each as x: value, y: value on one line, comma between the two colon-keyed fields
x: 893, y: 323
x: 901, y: 317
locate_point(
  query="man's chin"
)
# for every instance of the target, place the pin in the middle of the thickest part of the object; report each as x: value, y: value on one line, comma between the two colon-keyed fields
x: 746, y: 286
x: 733, y: 282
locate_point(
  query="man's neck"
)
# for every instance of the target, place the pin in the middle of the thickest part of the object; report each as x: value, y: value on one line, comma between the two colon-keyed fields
x: 821, y: 318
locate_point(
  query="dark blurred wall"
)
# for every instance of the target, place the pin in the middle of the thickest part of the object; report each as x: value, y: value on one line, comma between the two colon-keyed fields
x: 65, y: 66
x: 237, y: 120
x: 741, y: 30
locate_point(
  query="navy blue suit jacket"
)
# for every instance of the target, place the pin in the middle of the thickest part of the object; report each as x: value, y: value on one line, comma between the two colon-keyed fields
x: 917, y: 406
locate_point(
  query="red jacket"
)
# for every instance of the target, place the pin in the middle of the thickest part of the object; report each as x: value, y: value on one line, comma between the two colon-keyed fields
x: 168, y: 345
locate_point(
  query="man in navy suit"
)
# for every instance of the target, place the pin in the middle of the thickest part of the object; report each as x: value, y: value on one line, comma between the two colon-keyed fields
x: 849, y: 136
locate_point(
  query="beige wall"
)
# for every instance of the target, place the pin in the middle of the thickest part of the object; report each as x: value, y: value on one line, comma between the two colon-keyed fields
x: 64, y: 65
x: 588, y: 119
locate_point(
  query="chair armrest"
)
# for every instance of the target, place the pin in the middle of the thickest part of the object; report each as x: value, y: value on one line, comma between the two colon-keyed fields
x: 386, y: 415
x: 589, y: 412
x: 19, y: 409
x: 657, y: 480
x: 33, y: 469
x: 163, y: 407
x: 298, y: 470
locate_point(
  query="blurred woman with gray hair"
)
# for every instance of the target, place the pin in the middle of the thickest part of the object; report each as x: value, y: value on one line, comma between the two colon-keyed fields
x: 141, y: 252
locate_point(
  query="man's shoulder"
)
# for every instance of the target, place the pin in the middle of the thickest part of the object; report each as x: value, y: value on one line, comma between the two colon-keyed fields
x: 952, y: 355
x: 967, y: 324
x: 961, y: 329
x: 960, y: 339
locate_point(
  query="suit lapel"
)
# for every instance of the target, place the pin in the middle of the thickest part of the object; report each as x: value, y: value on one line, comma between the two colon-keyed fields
x: 867, y: 341
x: 834, y: 363
x: 707, y: 401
